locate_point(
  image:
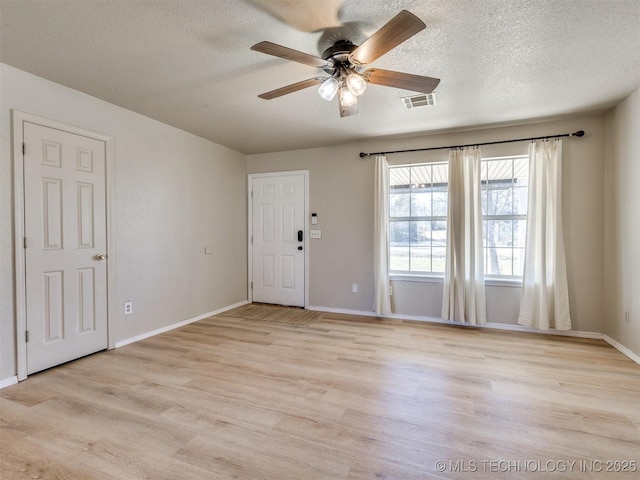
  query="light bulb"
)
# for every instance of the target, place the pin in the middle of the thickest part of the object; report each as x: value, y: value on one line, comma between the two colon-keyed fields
x: 356, y: 84
x: 347, y: 98
x: 328, y: 89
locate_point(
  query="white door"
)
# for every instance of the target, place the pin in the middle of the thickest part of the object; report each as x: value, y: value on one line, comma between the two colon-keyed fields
x: 279, y: 239
x: 65, y: 239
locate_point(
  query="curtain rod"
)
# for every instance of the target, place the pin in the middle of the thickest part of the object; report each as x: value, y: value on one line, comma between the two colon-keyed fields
x: 579, y: 133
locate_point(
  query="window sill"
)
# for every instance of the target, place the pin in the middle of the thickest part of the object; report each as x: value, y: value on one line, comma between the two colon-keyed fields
x: 407, y: 277
x: 489, y: 281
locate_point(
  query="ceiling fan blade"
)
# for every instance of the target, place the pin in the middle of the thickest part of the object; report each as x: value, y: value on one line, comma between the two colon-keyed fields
x: 399, y: 29
x: 289, y: 54
x: 290, y: 88
x: 405, y: 81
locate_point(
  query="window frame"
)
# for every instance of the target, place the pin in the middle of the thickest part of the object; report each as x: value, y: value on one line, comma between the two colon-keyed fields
x: 506, y: 217
x: 420, y: 218
x: 430, y: 276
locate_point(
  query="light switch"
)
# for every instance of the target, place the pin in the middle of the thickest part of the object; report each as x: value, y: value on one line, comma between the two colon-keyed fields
x: 315, y: 233
x: 208, y: 250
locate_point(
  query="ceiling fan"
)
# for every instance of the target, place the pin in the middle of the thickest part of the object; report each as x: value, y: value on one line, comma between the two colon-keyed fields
x: 345, y: 63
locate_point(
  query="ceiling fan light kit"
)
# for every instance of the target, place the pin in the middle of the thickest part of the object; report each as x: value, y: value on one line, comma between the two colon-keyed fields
x: 344, y: 62
x: 356, y: 84
x: 347, y: 98
x: 329, y: 88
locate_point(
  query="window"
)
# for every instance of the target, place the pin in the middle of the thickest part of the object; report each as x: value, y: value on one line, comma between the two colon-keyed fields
x: 418, y: 218
x: 504, y: 214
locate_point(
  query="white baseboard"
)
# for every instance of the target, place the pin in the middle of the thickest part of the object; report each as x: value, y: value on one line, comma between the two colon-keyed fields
x: 345, y: 311
x: 561, y: 333
x: 492, y: 326
x: 173, y: 326
x: 621, y: 348
x: 7, y: 382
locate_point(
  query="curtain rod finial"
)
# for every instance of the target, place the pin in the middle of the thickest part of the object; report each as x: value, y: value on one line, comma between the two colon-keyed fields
x: 579, y: 133
x: 362, y: 154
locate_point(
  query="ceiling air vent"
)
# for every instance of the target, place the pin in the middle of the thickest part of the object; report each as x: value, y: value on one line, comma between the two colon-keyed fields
x: 422, y: 100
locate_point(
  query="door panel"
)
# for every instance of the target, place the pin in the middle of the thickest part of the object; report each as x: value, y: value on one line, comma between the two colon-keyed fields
x: 65, y: 228
x: 278, y: 257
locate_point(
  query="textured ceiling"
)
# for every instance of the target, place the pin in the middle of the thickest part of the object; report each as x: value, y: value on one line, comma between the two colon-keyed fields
x: 187, y: 63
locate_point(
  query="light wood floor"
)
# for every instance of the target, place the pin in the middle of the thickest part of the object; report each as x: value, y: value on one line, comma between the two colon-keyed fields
x: 265, y: 392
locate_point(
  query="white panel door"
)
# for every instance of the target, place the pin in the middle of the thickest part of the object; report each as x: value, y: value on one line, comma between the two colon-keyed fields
x: 65, y: 238
x: 278, y: 260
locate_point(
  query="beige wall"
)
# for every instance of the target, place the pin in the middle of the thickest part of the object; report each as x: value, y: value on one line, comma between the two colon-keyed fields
x: 622, y: 223
x: 173, y: 194
x: 341, y: 193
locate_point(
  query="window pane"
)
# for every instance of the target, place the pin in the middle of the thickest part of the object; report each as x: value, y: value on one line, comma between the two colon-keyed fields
x: 485, y: 200
x: 491, y: 265
x: 439, y: 234
x: 438, y: 255
x: 420, y: 259
x: 399, y: 233
x: 399, y: 258
x: 421, y: 176
x: 440, y: 202
x: 420, y: 202
x: 504, y: 193
x: 399, y: 176
x: 499, y: 199
x: 520, y: 200
x: 440, y: 174
x: 519, y: 233
x: 418, y: 192
x: 518, y: 261
x: 499, y: 261
x: 521, y: 172
x: 505, y: 233
x: 399, y: 203
x: 499, y: 233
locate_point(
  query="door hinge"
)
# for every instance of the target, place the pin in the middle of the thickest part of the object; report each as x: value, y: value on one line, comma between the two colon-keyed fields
x: 24, y: 148
x: 25, y: 242
x: 26, y: 336
x: 251, y: 193
x: 251, y: 285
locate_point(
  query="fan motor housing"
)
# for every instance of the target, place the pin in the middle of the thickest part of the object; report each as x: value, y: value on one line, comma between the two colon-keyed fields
x: 338, y: 56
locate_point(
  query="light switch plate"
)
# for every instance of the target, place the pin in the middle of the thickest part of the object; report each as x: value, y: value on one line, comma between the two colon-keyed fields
x: 315, y: 233
x: 208, y: 250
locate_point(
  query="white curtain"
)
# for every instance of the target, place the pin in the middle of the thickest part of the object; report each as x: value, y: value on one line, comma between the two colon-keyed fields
x: 381, y: 301
x: 464, y: 296
x: 545, y: 294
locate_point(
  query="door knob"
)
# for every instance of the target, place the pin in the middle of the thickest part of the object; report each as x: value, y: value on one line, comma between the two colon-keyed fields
x: 100, y: 257
x: 300, y: 247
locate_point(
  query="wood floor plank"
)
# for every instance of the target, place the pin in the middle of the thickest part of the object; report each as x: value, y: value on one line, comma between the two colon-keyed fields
x: 267, y: 392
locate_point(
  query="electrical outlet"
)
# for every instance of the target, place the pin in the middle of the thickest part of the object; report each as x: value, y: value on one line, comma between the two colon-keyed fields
x: 626, y: 317
x: 128, y: 308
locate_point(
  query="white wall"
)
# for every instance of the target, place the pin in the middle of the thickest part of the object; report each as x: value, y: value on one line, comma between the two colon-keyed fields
x: 341, y: 193
x: 174, y: 193
x: 622, y: 223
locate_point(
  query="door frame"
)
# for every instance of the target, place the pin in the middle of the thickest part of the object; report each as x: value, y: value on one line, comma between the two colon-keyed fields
x: 19, y: 118
x: 250, y: 177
